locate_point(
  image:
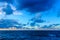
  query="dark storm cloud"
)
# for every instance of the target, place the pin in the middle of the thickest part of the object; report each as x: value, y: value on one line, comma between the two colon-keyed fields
x: 6, y: 23
x: 32, y: 24
x: 50, y: 26
x: 36, y: 5
x: 32, y: 6
x: 8, y: 1
x: 38, y: 20
x: 8, y: 10
x: 34, y: 21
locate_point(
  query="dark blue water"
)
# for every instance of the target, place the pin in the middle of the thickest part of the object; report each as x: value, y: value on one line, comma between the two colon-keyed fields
x: 29, y: 35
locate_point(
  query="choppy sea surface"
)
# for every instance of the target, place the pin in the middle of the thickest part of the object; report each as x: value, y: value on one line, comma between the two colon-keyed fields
x: 30, y: 35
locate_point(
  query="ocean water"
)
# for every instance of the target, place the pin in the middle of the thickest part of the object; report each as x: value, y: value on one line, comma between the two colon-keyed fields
x: 30, y: 35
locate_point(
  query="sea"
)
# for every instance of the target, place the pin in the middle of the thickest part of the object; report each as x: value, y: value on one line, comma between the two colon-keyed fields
x: 29, y: 35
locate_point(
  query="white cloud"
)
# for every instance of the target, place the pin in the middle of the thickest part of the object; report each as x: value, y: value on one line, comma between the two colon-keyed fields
x: 58, y: 27
x: 17, y: 13
x: 0, y: 13
x: 13, y: 8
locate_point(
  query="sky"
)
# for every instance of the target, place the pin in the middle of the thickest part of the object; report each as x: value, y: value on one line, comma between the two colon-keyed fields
x: 31, y: 12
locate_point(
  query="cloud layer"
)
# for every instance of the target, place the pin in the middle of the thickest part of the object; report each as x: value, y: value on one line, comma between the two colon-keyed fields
x: 32, y: 6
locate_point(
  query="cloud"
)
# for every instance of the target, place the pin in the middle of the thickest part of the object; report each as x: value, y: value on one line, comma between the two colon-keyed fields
x: 51, y: 26
x: 17, y: 13
x: 34, y: 6
x: 6, y: 23
x: 8, y: 10
x: 8, y: 1
x: 38, y: 20
x: 32, y: 24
